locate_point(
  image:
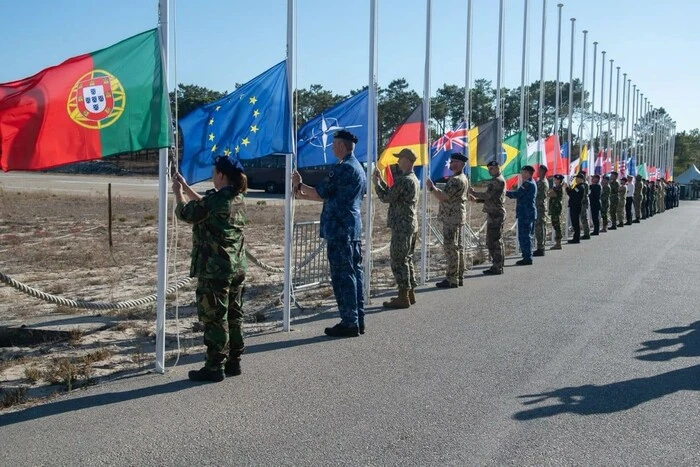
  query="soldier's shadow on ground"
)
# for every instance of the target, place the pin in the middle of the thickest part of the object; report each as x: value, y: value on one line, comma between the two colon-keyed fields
x: 591, y: 399
x: 688, y: 339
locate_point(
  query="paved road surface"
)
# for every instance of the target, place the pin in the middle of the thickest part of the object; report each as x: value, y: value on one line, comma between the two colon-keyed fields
x: 589, y: 357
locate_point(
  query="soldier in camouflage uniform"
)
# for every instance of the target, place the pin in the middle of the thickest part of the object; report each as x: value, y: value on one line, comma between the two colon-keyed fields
x: 494, y: 207
x: 584, y: 208
x: 605, y: 202
x: 341, y: 226
x: 621, y: 200
x: 614, y: 188
x: 556, y: 197
x: 637, y: 199
x: 219, y: 264
x: 541, y: 201
x: 645, y: 199
x: 402, y: 219
x: 453, y: 215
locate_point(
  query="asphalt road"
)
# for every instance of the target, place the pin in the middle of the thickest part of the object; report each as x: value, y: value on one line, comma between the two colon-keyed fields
x: 589, y: 357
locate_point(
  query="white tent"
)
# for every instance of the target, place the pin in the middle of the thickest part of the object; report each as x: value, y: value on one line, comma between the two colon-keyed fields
x: 688, y: 176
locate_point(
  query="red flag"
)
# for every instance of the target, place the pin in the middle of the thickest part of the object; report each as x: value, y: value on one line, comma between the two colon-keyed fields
x: 388, y: 176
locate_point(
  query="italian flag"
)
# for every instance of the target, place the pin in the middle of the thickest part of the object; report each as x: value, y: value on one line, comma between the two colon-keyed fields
x: 90, y: 106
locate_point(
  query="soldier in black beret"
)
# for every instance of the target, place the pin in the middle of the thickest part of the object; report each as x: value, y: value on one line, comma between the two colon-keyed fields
x: 346, y: 135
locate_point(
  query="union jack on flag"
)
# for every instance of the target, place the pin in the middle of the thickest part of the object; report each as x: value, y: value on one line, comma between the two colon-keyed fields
x: 442, y: 148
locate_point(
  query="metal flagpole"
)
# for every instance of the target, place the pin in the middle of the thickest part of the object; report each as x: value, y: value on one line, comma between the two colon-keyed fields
x: 602, y: 93
x: 609, y: 135
x: 557, y: 99
x: 499, y: 76
x: 426, y: 168
x: 638, y: 126
x: 627, y: 121
x: 634, y: 121
x: 571, y: 100
x: 164, y: 35
x: 467, y: 73
x: 522, y: 70
x: 616, y: 153
x: 591, y: 147
x: 583, y: 100
x: 540, y: 114
x: 622, y: 112
x: 643, y: 128
x: 371, y: 144
x: 289, y: 168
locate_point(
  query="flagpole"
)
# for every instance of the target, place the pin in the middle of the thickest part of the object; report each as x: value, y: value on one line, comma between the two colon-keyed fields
x: 163, y: 30
x: 627, y: 122
x: 591, y: 147
x: 289, y: 167
x: 602, y: 105
x: 622, y: 117
x: 569, y: 138
x: 643, y: 128
x: 540, y: 114
x: 609, y: 135
x: 583, y: 100
x: 426, y: 120
x: 617, y: 101
x: 558, y: 86
x: 371, y: 144
x: 467, y: 73
x: 522, y: 68
x: 634, y: 121
x: 499, y: 76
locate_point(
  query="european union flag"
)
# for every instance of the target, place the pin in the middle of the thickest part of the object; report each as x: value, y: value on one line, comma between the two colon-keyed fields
x: 253, y: 121
x: 315, y: 138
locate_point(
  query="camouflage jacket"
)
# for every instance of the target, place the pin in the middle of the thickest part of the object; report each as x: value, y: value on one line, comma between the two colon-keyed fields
x: 342, y: 192
x: 542, y: 189
x: 605, y: 197
x: 556, y: 197
x: 403, y: 198
x: 453, y: 210
x: 622, y: 194
x: 614, y: 188
x: 494, y: 197
x: 586, y: 190
x: 217, y: 222
x: 638, y: 190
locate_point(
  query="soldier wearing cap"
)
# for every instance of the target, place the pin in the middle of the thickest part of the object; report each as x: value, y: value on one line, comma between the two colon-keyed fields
x: 604, y: 202
x: 219, y: 264
x: 341, y: 226
x: 614, y: 189
x: 494, y: 207
x: 525, y: 212
x: 453, y: 215
x: 584, y: 208
x: 556, y: 197
x: 621, y: 201
x: 637, y: 199
x: 576, y: 194
x: 402, y: 219
x: 541, y: 222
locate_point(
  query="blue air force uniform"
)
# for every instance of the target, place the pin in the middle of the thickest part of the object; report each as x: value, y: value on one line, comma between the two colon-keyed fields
x: 525, y: 213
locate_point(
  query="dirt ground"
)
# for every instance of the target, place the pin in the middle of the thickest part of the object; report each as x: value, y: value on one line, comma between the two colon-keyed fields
x: 60, y: 245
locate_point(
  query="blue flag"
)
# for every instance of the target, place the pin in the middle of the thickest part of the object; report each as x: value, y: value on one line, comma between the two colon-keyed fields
x: 315, y: 138
x: 253, y: 121
x: 442, y: 148
x: 565, y: 150
x: 631, y: 166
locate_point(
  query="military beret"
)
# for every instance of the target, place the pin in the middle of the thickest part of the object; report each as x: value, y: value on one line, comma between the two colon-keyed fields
x: 543, y: 168
x: 228, y: 163
x: 346, y: 135
x: 580, y: 175
x: 493, y: 164
x: 459, y: 157
x: 528, y: 168
x: 613, y: 172
x: 559, y: 177
x: 407, y: 154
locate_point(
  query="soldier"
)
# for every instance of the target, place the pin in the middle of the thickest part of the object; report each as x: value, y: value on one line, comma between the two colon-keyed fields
x: 629, y: 199
x: 637, y: 200
x: 605, y: 202
x: 645, y: 188
x: 594, y: 195
x: 584, y: 209
x: 556, y: 196
x: 341, y: 226
x: 453, y: 215
x: 621, y: 200
x: 402, y: 219
x: 614, y: 188
x: 525, y: 212
x: 219, y: 264
x: 653, y: 197
x: 493, y: 199
x: 541, y: 223
x: 576, y: 193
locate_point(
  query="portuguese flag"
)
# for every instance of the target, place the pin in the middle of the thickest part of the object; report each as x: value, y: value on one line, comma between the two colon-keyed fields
x: 91, y: 106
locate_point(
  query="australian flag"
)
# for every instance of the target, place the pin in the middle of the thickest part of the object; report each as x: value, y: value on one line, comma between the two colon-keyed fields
x: 253, y: 121
x: 442, y: 148
x: 315, y: 138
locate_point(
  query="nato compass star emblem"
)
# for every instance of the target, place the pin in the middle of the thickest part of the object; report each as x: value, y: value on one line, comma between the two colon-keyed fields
x: 319, y: 135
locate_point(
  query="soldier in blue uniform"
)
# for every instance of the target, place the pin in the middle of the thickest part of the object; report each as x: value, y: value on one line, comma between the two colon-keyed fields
x: 525, y: 213
x: 341, y: 226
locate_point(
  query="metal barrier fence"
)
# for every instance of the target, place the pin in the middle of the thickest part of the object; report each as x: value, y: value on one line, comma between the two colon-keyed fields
x: 309, y: 272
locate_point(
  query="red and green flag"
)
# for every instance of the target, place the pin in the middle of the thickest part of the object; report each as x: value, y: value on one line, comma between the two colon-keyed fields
x: 90, y: 106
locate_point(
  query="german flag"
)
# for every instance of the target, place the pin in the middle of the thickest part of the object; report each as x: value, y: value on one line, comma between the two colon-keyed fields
x: 410, y: 134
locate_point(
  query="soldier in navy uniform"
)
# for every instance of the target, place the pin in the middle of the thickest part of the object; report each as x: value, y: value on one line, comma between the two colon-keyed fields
x: 341, y: 226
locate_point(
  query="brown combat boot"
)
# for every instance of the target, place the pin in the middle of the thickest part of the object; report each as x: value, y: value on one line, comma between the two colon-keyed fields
x: 401, y: 301
x: 412, y: 296
x: 557, y: 245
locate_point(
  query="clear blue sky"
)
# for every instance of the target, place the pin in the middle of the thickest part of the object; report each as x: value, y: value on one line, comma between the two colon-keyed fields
x: 221, y: 42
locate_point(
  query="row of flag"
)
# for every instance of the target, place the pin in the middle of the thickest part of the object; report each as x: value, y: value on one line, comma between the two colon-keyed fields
x: 114, y: 101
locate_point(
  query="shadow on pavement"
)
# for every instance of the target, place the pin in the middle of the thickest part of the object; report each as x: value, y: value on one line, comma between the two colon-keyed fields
x: 688, y: 338
x: 590, y: 399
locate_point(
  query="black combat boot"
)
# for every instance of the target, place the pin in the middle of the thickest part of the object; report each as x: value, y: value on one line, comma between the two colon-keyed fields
x: 232, y: 367
x: 339, y: 330
x: 207, y: 375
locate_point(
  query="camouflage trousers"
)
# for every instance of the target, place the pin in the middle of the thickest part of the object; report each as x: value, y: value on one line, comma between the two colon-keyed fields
x: 613, y: 214
x: 541, y: 230
x: 494, y: 239
x: 556, y: 226
x: 584, y: 220
x: 220, y: 309
x: 605, y: 207
x: 637, y: 207
x: 403, y: 244
x: 620, y: 212
x: 454, y: 251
